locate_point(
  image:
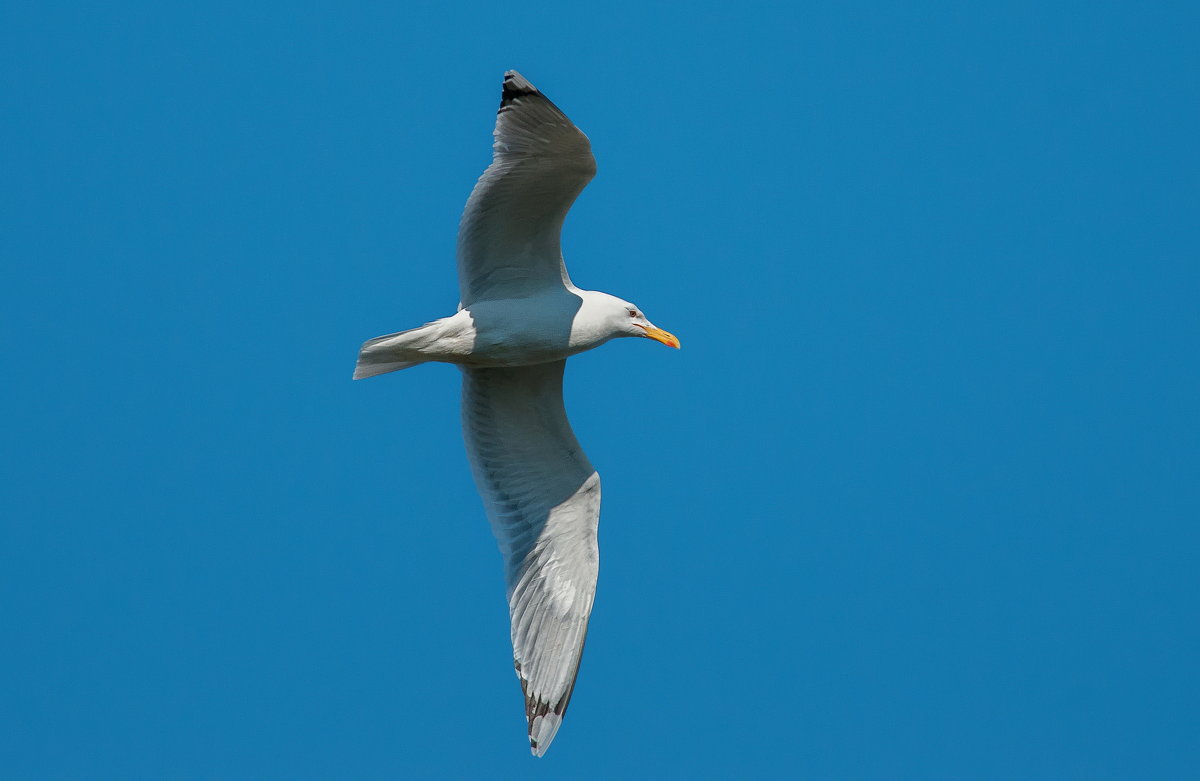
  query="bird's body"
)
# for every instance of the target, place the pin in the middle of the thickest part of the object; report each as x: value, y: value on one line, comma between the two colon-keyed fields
x: 520, y: 317
x: 549, y: 325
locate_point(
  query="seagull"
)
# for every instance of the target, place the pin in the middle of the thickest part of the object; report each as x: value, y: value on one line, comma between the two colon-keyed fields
x: 520, y: 317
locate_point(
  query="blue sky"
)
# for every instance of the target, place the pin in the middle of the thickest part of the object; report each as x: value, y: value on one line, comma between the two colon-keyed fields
x: 917, y: 499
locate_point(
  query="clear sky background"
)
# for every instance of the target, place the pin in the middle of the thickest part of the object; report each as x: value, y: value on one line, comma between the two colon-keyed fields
x: 918, y: 498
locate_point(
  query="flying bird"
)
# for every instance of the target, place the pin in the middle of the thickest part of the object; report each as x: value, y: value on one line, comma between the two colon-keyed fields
x: 519, y: 319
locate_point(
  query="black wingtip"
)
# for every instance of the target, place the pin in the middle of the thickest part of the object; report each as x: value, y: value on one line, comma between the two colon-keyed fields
x: 515, y: 86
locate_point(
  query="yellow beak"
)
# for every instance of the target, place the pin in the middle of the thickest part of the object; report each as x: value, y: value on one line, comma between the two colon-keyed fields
x: 659, y: 335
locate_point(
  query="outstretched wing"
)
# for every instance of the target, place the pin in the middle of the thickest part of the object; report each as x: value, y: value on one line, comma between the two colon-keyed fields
x: 543, y: 500
x: 508, y: 239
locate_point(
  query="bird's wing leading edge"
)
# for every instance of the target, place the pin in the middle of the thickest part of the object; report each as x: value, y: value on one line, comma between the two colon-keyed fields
x: 508, y: 239
x: 543, y: 500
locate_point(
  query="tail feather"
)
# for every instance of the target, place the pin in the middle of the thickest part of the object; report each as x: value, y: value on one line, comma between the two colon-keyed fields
x: 384, y: 354
x: 367, y: 369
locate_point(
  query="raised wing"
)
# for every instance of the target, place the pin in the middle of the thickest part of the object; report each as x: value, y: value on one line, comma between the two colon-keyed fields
x: 508, y: 239
x: 543, y: 499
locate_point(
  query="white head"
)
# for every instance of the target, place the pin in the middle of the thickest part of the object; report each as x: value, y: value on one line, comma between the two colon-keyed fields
x: 622, y: 318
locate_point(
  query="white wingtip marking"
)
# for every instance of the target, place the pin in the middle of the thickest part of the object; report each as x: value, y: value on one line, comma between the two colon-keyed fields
x: 542, y: 731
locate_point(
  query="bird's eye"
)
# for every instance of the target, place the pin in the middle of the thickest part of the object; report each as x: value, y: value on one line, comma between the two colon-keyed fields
x: 633, y: 313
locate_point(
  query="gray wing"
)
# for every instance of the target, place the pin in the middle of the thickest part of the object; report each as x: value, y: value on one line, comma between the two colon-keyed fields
x: 543, y: 499
x: 508, y: 239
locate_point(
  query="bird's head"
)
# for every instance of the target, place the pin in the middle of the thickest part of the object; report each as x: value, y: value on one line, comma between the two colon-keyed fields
x: 628, y: 320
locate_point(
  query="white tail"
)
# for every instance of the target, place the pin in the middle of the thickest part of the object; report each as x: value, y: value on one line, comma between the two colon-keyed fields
x: 384, y: 354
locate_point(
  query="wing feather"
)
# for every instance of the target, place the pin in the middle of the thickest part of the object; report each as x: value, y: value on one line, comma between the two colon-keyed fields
x: 543, y: 499
x: 508, y: 239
